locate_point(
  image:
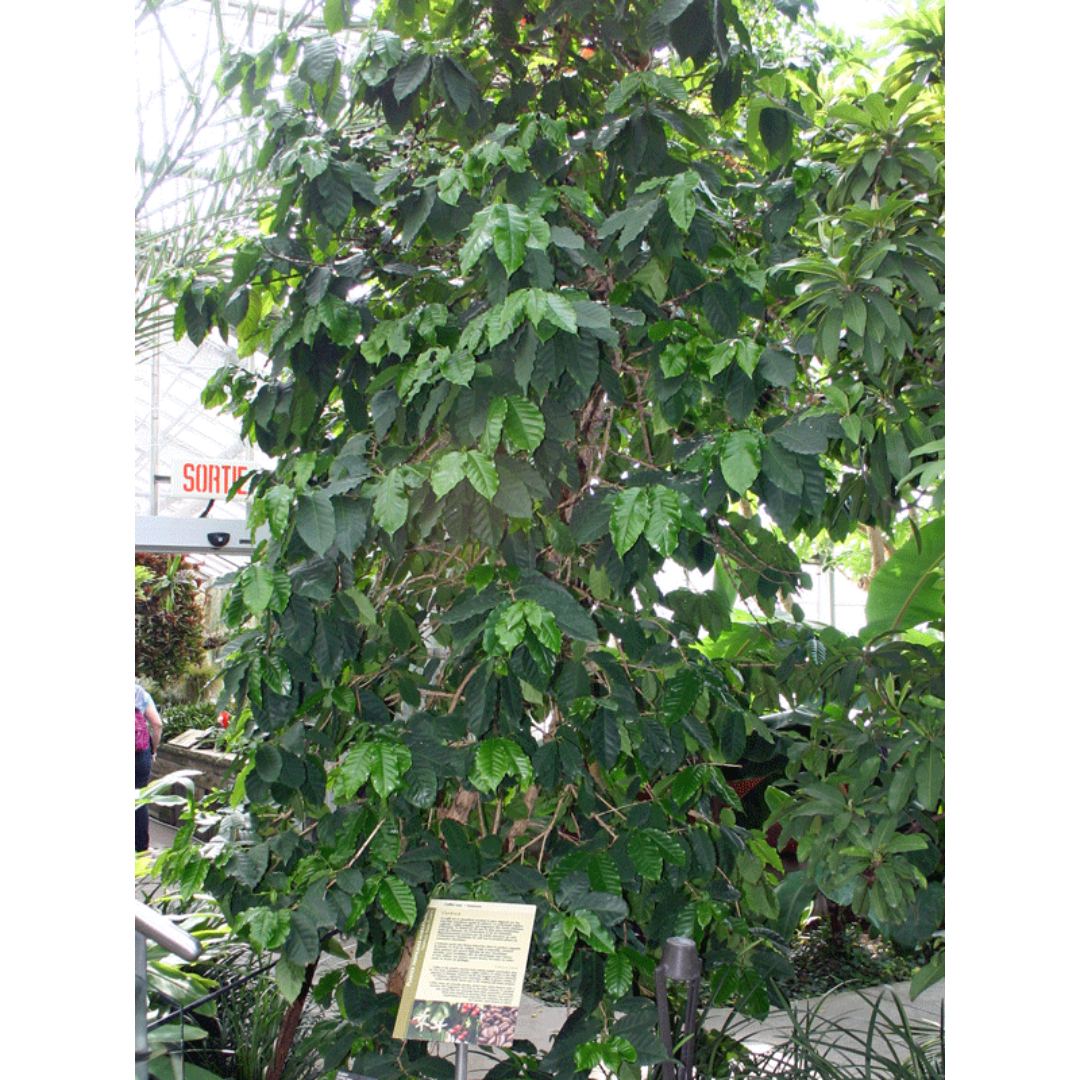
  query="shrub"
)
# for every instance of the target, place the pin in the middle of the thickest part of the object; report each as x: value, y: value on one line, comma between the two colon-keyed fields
x: 168, y: 618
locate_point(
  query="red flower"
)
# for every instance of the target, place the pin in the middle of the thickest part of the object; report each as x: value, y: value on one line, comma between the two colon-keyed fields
x: 223, y: 719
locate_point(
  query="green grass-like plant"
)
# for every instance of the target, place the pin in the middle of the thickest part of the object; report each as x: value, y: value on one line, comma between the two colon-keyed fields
x: 822, y: 1048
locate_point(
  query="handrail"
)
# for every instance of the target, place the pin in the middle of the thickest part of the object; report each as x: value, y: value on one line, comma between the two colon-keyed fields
x: 151, y: 924
x: 165, y: 932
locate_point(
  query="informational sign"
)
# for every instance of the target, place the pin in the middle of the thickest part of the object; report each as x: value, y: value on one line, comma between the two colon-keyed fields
x: 466, y: 974
x: 200, y: 478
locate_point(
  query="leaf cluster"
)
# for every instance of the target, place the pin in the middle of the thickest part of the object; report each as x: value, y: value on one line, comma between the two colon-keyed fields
x: 554, y: 297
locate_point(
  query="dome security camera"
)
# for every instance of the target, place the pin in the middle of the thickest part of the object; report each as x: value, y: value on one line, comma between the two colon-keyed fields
x: 218, y: 539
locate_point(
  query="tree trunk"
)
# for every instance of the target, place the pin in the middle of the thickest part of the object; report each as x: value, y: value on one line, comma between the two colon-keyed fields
x: 395, y: 981
x: 879, y: 549
x: 289, y: 1024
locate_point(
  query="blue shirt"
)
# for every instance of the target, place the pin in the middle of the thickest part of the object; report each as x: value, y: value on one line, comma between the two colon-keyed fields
x: 143, y: 699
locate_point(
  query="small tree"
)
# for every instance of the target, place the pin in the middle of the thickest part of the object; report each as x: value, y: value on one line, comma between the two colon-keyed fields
x: 554, y: 295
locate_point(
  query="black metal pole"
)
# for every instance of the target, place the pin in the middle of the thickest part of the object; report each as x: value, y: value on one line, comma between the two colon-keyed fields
x: 679, y: 961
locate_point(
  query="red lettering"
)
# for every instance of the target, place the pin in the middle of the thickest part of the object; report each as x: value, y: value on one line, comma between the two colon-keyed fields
x: 216, y: 478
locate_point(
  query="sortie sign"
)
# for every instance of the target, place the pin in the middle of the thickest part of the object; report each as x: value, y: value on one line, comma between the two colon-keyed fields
x: 203, y: 479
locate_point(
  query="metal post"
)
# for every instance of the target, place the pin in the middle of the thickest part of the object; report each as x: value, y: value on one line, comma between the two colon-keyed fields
x: 149, y: 923
x: 142, y: 1044
x: 461, y: 1061
x: 680, y: 962
x: 155, y: 424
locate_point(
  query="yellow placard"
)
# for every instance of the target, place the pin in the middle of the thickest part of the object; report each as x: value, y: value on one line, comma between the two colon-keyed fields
x: 466, y: 974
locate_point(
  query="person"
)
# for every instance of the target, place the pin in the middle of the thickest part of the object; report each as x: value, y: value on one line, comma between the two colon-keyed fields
x: 147, y: 739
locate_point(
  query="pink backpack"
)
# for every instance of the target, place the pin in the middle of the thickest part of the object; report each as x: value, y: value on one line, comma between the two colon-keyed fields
x: 142, y: 732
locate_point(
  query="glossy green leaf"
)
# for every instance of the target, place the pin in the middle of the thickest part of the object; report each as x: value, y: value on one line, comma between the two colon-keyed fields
x: 629, y: 516
x: 931, y: 972
x: 480, y: 471
x: 266, y: 928
x: 447, y: 472
x: 560, y: 311
x: 315, y: 521
x: 495, y: 760
x: 910, y: 588
x: 664, y: 520
x: 618, y: 974
x: 481, y: 234
x: 257, y: 585
x: 510, y: 230
x: 681, y: 200
x: 646, y: 855
x: 391, y: 504
x: 680, y: 694
x: 411, y: 75
x: 397, y: 901
x: 930, y: 778
x: 524, y: 424
x: 740, y: 459
x: 289, y: 978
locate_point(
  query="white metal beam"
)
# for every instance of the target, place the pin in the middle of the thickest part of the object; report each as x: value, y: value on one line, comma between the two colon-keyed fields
x: 206, y: 536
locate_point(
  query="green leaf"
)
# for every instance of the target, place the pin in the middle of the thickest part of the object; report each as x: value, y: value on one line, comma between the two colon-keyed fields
x: 257, y: 587
x: 289, y: 978
x: 411, y: 75
x: 447, y: 472
x: 605, y: 737
x: 681, y: 201
x: 782, y: 467
x: 680, y: 694
x: 267, y: 929
x: 315, y: 521
x: 629, y: 223
x: 687, y: 784
x: 268, y: 762
x: 740, y: 459
x: 726, y: 88
x: 664, y: 520
x: 391, y: 505
x: 774, y: 126
x: 524, y: 425
x: 302, y: 946
x: 629, y: 515
x: 930, y: 778
x: 496, y: 417
x: 618, y: 974
x: 495, y: 760
x: 397, y: 901
x: 510, y: 230
x: 334, y: 15
x: 562, y: 941
x: 931, y: 972
x: 829, y: 333
x: 910, y: 588
x: 646, y: 855
x: 478, y: 240
x: 572, y: 619
x: 480, y: 471
x: 387, y: 765
x: 560, y: 311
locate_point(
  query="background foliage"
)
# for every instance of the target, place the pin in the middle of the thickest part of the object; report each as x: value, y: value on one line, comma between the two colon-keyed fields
x: 168, y: 617
x: 555, y: 296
